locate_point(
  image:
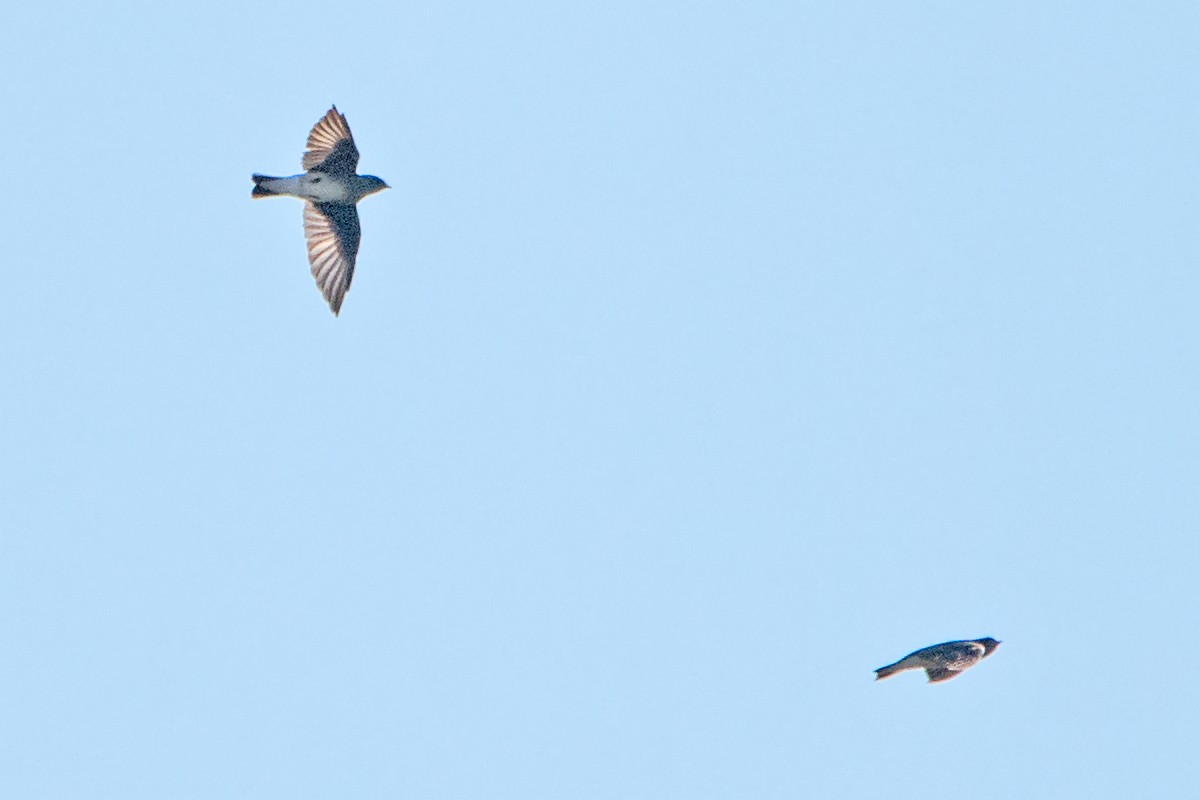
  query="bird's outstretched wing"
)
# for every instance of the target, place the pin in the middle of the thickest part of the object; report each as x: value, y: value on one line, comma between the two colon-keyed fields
x: 332, y: 232
x: 330, y: 146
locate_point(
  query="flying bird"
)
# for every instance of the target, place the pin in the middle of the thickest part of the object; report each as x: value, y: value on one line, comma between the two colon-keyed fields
x: 330, y: 188
x: 942, y: 662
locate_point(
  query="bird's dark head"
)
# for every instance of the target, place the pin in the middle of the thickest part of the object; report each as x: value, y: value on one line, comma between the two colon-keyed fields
x: 370, y: 184
x: 989, y: 645
x: 364, y: 185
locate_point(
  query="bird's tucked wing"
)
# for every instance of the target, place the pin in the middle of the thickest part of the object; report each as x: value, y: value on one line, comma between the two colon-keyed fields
x: 333, y: 235
x: 331, y: 147
x: 956, y: 655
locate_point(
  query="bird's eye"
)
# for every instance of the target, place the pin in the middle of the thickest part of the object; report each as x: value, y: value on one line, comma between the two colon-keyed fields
x: 316, y: 180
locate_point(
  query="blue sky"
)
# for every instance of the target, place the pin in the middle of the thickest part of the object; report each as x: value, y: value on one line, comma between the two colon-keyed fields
x: 703, y: 358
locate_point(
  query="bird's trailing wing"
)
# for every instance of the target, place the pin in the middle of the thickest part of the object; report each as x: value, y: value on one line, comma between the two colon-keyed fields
x: 937, y: 674
x: 333, y: 234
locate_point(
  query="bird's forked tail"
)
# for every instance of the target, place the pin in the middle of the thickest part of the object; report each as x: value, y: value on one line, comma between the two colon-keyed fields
x: 888, y: 671
x: 259, y: 190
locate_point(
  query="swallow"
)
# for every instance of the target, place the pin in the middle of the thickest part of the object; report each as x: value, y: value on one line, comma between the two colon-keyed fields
x: 330, y: 189
x: 942, y: 662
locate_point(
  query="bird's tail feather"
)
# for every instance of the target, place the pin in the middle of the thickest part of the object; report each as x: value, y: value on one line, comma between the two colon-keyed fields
x: 259, y: 190
x: 888, y: 671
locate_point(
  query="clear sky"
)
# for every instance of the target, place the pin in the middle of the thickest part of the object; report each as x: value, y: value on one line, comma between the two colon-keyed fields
x: 702, y: 358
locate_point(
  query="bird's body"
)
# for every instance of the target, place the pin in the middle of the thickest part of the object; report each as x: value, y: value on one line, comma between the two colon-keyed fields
x: 309, y: 186
x: 330, y: 189
x: 942, y: 662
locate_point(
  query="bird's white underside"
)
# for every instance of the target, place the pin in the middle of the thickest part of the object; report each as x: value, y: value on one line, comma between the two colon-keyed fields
x: 310, y: 186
